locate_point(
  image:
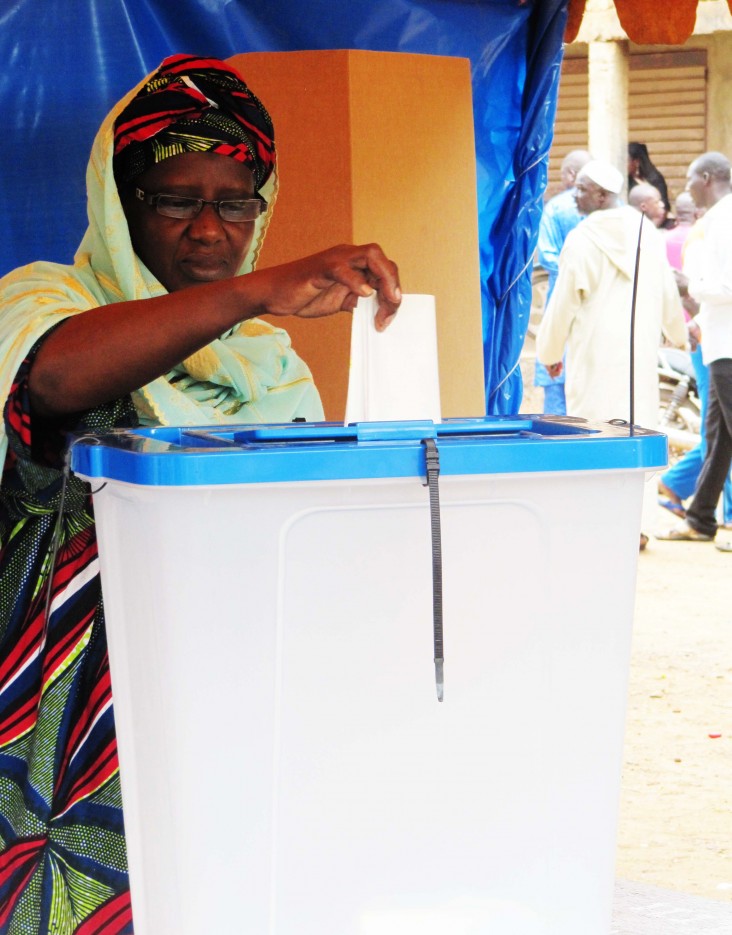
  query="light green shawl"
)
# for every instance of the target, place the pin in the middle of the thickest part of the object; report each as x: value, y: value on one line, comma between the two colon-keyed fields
x: 250, y: 374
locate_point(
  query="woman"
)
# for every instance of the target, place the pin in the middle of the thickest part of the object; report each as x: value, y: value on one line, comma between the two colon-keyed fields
x: 641, y: 169
x: 152, y: 324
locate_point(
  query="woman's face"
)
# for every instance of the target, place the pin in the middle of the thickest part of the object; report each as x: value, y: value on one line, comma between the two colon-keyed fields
x: 182, y: 253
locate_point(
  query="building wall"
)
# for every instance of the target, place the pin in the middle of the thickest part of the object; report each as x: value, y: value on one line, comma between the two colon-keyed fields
x: 718, y: 48
x: 679, y: 102
x: 719, y: 91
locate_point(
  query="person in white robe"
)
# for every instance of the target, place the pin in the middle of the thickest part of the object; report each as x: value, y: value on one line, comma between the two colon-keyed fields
x: 590, y: 308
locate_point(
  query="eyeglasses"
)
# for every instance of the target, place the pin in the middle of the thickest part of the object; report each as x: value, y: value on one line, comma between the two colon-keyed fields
x: 178, y: 206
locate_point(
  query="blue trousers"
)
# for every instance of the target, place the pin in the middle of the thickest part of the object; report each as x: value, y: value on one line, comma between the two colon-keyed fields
x: 683, y: 476
x: 554, y: 400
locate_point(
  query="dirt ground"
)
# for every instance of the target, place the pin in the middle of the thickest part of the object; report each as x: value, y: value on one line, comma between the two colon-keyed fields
x: 676, y: 808
x: 675, y: 828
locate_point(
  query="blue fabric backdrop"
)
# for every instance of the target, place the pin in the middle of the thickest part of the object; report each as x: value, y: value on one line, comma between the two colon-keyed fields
x: 65, y: 62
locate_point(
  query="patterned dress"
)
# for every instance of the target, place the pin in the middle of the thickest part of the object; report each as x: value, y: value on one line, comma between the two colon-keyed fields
x: 63, y: 866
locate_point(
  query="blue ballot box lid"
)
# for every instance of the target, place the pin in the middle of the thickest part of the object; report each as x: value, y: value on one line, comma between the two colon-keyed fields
x: 316, y: 451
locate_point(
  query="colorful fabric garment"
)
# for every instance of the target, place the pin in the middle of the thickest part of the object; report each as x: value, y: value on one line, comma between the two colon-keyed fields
x: 62, y: 852
x: 63, y: 867
x: 193, y: 105
x: 675, y: 240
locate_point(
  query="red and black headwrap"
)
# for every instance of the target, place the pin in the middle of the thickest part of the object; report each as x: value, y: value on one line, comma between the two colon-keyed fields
x: 189, y: 105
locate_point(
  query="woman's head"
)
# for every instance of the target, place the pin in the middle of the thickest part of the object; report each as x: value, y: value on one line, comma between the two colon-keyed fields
x: 193, y: 131
x: 639, y: 162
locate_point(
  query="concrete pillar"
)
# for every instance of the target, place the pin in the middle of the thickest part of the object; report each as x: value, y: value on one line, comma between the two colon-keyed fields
x: 719, y: 89
x: 608, y: 102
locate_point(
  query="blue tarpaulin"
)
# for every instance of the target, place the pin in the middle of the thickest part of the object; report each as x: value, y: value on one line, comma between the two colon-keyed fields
x: 65, y: 62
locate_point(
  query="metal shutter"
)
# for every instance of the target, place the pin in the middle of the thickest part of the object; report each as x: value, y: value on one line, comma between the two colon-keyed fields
x: 666, y: 111
x: 570, y: 124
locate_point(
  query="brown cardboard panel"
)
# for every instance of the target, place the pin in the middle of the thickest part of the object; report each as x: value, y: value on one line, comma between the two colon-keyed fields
x: 376, y: 146
x: 415, y: 189
x: 307, y: 95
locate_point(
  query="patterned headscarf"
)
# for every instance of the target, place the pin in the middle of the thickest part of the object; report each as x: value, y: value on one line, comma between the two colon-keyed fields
x: 190, y: 105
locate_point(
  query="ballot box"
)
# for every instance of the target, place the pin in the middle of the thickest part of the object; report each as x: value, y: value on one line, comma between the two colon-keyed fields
x: 276, y: 597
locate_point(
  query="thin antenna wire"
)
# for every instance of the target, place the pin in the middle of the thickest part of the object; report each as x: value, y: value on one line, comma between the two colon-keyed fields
x: 632, y: 327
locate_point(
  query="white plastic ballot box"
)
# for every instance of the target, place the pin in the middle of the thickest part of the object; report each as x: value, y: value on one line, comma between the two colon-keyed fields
x: 272, y: 596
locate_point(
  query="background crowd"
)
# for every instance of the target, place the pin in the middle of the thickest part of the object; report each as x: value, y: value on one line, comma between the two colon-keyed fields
x: 670, y: 271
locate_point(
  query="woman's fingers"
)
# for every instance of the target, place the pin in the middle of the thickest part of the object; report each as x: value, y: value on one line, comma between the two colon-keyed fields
x: 381, y: 272
x: 333, y: 281
x: 382, y: 276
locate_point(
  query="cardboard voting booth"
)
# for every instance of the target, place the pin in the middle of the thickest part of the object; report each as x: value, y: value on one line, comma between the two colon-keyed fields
x: 377, y: 146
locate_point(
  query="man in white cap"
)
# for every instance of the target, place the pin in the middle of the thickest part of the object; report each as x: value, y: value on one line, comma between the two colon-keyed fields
x: 590, y: 308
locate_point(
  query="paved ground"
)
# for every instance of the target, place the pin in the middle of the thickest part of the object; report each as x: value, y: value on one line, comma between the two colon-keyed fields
x: 649, y: 910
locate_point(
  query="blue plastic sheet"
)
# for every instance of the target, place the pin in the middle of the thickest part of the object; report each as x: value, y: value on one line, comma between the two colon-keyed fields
x: 67, y: 61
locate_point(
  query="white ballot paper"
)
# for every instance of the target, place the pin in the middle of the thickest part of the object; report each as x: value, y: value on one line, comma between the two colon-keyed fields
x: 394, y: 373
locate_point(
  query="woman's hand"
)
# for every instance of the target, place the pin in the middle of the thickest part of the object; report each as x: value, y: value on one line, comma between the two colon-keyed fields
x: 326, y: 283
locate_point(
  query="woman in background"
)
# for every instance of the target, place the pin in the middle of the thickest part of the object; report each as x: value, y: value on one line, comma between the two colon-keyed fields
x: 641, y: 169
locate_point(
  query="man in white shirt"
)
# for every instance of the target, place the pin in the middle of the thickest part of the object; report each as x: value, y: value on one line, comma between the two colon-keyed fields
x: 708, y: 267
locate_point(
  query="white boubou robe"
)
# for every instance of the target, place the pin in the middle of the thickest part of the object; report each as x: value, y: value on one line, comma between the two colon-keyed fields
x: 590, y: 312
